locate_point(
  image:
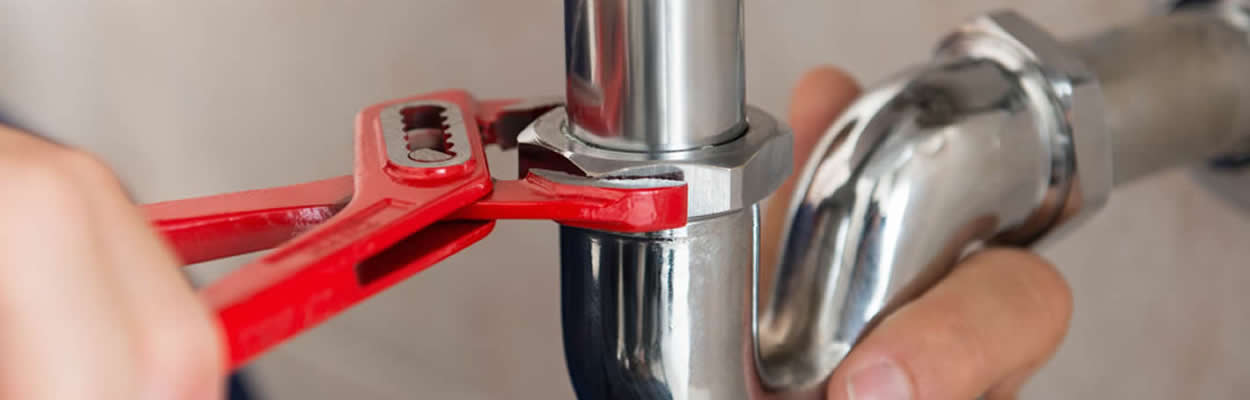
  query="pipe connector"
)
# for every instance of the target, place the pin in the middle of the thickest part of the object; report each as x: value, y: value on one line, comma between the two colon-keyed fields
x: 721, y: 179
x: 1064, y: 93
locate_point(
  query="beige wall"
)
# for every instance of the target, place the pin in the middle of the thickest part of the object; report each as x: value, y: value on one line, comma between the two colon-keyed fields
x: 198, y: 97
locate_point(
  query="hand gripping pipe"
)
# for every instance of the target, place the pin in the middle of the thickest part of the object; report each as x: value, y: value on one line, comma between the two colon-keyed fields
x: 1005, y: 137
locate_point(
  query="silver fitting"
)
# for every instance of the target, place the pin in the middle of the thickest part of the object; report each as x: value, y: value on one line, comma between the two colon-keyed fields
x: 1062, y: 92
x: 721, y: 178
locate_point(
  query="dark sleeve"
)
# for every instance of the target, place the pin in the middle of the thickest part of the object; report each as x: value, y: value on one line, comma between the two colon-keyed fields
x: 6, y: 120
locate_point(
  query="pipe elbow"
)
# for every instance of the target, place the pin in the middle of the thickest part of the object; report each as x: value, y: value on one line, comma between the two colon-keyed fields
x: 968, y: 149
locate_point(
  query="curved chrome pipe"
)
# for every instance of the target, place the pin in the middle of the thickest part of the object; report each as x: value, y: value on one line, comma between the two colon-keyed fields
x: 912, y: 174
x: 1008, y: 135
x: 980, y: 144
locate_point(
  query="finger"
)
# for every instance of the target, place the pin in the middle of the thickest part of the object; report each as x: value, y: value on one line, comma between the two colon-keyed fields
x: 174, y: 340
x: 820, y: 96
x: 996, y: 317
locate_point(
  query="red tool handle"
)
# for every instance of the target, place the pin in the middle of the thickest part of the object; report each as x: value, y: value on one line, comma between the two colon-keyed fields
x: 323, y: 268
x: 401, y: 219
x: 209, y: 228
x: 214, y: 227
x: 346, y: 260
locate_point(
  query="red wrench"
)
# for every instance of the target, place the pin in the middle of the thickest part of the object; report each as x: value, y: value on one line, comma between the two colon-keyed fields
x: 421, y: 191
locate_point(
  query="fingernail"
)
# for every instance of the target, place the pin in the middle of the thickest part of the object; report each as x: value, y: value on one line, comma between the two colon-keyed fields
x: 880, y: 381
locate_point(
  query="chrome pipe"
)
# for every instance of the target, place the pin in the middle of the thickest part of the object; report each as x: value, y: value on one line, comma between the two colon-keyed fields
x: 662, y: 315
x: 665, y: 315
x: 1177, y: 88
x: 655, y: 75
x: 1008, y: 137
x: 912, y: 174
x: 656, y: 87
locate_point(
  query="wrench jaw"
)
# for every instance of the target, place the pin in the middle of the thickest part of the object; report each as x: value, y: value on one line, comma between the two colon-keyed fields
x: 503, y: 120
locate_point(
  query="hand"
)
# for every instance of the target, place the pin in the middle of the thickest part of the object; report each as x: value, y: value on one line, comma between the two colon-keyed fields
x: 981, y: 331
x: 92, y: 302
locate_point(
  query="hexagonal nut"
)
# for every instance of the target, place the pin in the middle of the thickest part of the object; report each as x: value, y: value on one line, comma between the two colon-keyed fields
x: 720, y: 178
x: 1051, y: 72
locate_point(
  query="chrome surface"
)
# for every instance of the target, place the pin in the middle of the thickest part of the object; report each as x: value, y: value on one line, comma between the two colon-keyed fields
x: 1007, y: 137
x: 655, y: 90
x: 516, y: 117
x: 723, y: 178
x: 655, y: 75
x: 623, y: 182
x: 414, y: 134
x: 662, y: 315
x: 999, y: 139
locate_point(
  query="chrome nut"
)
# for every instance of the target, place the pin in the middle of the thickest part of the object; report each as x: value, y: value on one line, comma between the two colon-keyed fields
x: 721, y: 178
x: 1060, y: 86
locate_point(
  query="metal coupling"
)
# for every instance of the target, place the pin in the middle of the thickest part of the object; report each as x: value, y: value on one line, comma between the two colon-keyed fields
x: 1063, y: 97
x: 722, y: 178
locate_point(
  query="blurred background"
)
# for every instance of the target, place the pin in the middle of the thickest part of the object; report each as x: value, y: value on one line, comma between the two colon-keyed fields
x: 189, y: 98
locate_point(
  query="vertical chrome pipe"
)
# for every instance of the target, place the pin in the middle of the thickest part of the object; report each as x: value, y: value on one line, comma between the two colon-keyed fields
x: 655, y: 75
x: 658, y: 86
x: 665, y: 315
x: 662, y: 315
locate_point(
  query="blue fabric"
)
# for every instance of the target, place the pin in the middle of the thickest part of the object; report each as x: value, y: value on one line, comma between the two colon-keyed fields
x: 1190, y: 3
x: 5, y: 120
x: 238, y: 388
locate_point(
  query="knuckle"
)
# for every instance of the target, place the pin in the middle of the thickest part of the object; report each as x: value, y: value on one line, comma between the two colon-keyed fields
x: 85, y: 168
x: 55, y: 164
x: 53, y: 181
x: 35, y: 177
